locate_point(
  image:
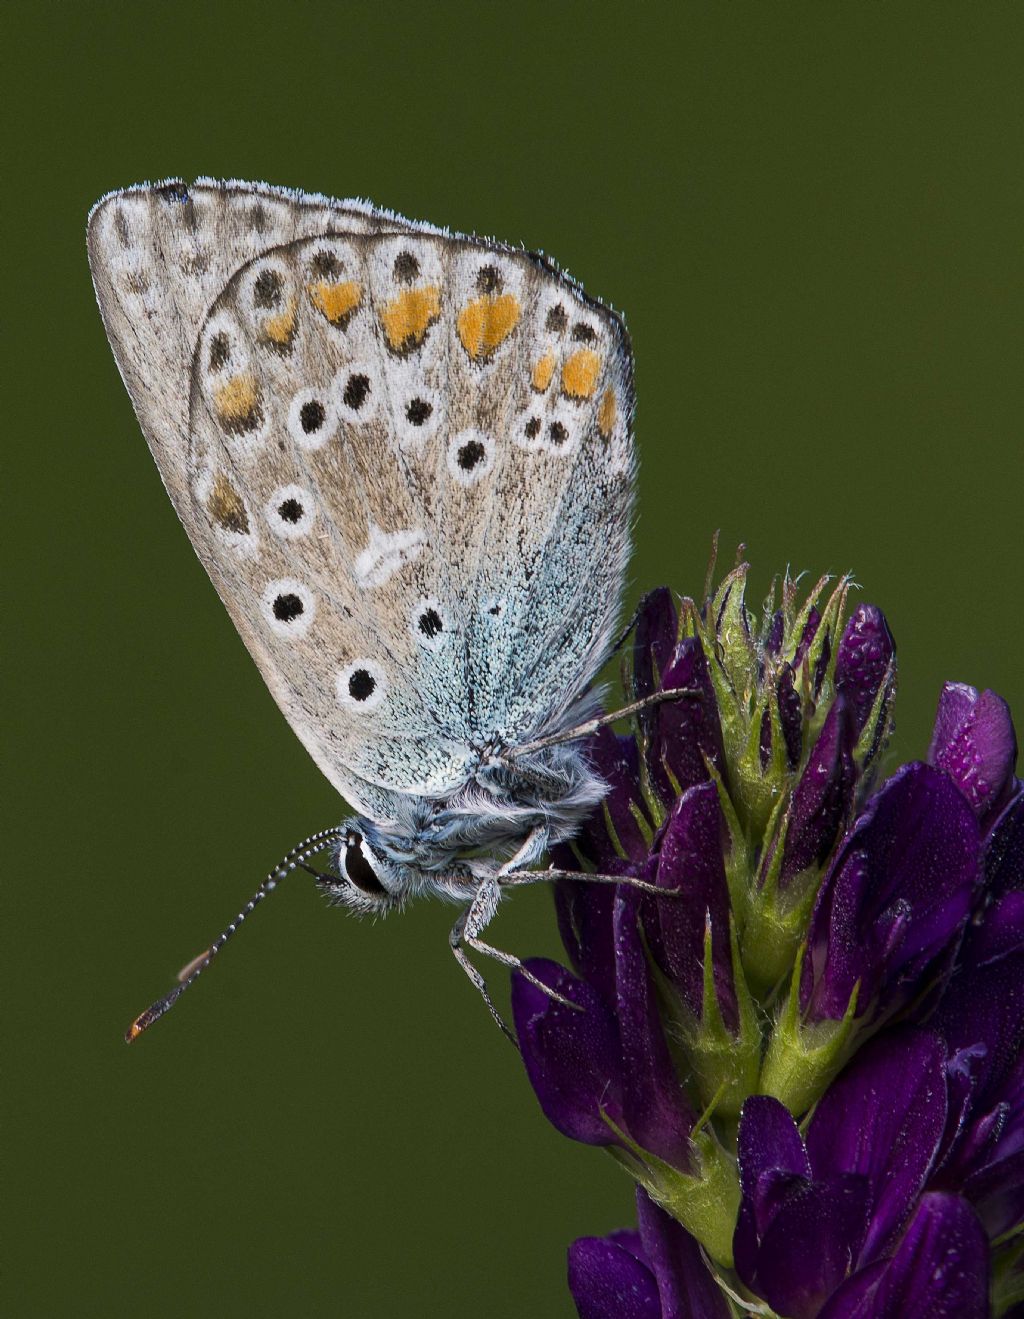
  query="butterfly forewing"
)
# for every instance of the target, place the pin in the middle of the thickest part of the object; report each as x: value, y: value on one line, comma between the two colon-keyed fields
x: 405, y: 459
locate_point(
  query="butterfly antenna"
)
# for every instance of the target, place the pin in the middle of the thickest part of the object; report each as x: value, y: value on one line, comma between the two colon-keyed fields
x: 193, y: 970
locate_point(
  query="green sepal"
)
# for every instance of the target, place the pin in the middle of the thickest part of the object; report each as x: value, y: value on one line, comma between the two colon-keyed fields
x: 732, y: 708
x: 760, y: 787
x: 732, y: 631
x: 796, y: 623
x: 828, y: 633
x: 705, y: 1201
x: 802, y: 1061
x: 641, y: 822
x: 767, y: 944
x: 1008, y: 1271
x: 725, y: 1064
x: 612, y: 832
x: 655, y: 807
x: 778, y: 918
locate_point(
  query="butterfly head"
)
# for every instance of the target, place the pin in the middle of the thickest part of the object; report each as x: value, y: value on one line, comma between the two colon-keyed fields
x: 365, y: 880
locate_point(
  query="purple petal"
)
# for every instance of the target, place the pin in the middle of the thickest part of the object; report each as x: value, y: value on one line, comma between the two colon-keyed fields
x: 607, y: 1281
x: 997, y: 1193
x: 975, y: 743
x: 984, y: 1005
x: 685, y: 1284
x: 865, y: 653
x: 1000, y: 934
x: 807, y: 636
x: 982, y: 1008
x: 655, y: 1109
x: 572, y: 1058
x: 776, y: 632
x: 808, y: 1249
x: 821, y: 798
x: 1004, y: 848
x: 896, y: 897
x: 629, y: 1239
x: 790, y: 717
x: 982, y: 1017
x: 855, y: 1298
x: 584, y: 914
x: 768, y: 1140
x: 690, y: 859
x: 654, y: 640
x: 939, y: 1271
x: 772, y: 1163
x: 684, y: 734
x: 617, y: 761
x: 884, y: 1118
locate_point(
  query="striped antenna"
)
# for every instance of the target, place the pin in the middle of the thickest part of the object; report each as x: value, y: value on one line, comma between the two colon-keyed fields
x: 188, y: 974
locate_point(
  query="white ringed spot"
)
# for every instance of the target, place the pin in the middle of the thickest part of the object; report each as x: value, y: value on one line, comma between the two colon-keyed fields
x: 429, y: 624
x: 560, y: 429
x: 417, y: 415
x: 290, y: 511
x: 222, y: 349
x: 312, y: 418
x: 357, y: 392
x: 289, y: 607
x: 361, y: 685
x: 470, y: 456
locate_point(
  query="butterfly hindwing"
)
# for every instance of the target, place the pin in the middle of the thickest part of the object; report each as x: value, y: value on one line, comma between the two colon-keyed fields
x: 404, y: 458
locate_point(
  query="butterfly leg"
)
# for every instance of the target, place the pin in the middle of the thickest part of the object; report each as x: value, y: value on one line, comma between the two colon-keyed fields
x: 457, y: 939
x: 466, y: 934
x: 592, y: 725
x: 517, y: 879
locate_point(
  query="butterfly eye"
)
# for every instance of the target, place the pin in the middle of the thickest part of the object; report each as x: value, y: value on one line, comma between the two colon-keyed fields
x: 358, y: 869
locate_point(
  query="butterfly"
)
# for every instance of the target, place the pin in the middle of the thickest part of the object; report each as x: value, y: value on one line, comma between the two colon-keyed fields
x: 405, y: 458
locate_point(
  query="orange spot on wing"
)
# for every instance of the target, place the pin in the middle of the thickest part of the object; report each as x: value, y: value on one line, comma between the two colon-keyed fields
x: 408, y: 317
x: 237, y: 403
x: 335, y: 301
x: 580, y: 372
x: 543, y: 370
x: 485, y: 323
x: 226, y: 507
x: 236, y: 397
x: 279, y: 329
x: 607, y: 413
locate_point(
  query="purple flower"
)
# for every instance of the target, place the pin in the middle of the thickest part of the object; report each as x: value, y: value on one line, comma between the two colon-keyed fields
x: 817, y: 952
x: 865, y: 668
x: 621, y: 829
x: 654, y: 1273
x: 690, y: 860
x: 603, y: 1075
x: 894, y: 901
x: 975, y: 743
x: 822, y: 796
x: 938, y: 1271
x: 705, y: 998
x: 830, y: 1214
x: 981, y: 1017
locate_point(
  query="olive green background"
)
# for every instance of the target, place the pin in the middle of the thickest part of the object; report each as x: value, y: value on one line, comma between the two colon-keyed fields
x: 813, y: 216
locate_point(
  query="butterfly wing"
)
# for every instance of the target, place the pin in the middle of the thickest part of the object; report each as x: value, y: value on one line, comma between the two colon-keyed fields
x: 403, y: 457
